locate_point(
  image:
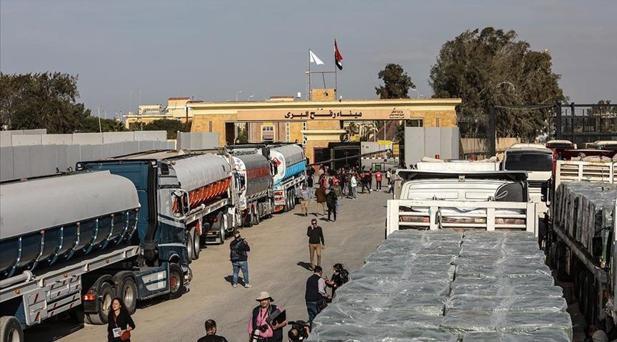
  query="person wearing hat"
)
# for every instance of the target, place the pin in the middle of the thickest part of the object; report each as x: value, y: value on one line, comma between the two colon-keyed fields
x: 261, y: 326
x: 316, y: 242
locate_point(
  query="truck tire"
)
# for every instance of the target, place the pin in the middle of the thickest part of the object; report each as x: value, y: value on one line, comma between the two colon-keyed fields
x: 127, y: 291
x: 10, y: 329
x: 196, y: 244
x: 189, y: 245
x: 222, y: 233
x: 257, y: 212
x: 105, y: 293
x: 176, y: 281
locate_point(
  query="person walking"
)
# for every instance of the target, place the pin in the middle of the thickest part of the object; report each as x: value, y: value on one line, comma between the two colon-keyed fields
x: 353, y: 185
x: 378, y: 178
x: 320, y: 199
x: 332, y: 202
x: 315, y: 294
x: 119, y: 322
x: 305, y: 198
x: 211, y: 335
x: 263, y: 325
x: 316, y: 242
x: 238, y: 254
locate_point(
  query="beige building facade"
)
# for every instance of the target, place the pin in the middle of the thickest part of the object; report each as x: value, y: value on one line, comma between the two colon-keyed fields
x: 314, y: 124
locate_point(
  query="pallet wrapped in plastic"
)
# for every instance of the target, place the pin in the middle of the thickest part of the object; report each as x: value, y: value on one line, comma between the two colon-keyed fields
x: 445, y: 286
x: 540, y: 335
x: 464, y: 321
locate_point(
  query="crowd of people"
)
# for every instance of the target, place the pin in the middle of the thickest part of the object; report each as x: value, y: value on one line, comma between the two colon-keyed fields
x: 267, y: 320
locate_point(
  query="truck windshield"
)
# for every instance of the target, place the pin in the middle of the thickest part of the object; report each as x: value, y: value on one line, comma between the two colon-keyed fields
x: 528, y: 161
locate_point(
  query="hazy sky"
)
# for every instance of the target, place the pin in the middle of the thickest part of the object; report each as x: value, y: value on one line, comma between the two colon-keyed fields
x: 126, y: 51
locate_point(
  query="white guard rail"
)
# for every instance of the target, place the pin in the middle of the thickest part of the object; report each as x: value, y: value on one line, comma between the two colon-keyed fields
x: 438, y: 214
x: 590, y: 171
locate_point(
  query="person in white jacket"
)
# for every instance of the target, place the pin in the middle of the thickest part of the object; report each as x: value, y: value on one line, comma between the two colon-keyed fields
x: 353, y: 182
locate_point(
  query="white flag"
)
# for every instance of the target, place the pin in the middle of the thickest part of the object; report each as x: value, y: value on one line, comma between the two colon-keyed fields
x: 314, y: 59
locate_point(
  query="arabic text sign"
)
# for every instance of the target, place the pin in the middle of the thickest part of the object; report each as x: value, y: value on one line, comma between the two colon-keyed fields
x: 312, y: 115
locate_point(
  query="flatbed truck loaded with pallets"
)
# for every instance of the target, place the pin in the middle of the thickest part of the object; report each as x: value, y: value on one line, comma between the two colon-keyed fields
x: 92, y: 238
x: 581, y: 237
x: 460, y: 263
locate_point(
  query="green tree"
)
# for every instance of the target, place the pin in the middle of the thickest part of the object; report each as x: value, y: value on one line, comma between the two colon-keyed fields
x: 170, y: 125
x: 41, y: 100
x: 396, y: 82
x: 490, y: 68
x: 91, y: 124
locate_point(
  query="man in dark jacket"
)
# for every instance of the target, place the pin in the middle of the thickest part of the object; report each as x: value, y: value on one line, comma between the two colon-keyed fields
x: 211, y: 335
x: 315, y: 294
x: 238, y: 254
x: 331, y: 201
x: 316, y: 242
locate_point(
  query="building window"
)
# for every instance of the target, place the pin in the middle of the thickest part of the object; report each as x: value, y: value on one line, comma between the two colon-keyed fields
x: 267, y: 133
x: 415, y: 123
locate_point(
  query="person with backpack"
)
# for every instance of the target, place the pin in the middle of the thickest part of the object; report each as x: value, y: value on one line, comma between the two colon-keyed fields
x: 264, y: 325
x: 378, y: 178
x: 339, y: 277
x: 238, y: 254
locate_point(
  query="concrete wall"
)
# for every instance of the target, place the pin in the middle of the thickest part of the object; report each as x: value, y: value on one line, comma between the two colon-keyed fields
x: 430, y: 142
x: 24, y: 156
x: 197, y: 141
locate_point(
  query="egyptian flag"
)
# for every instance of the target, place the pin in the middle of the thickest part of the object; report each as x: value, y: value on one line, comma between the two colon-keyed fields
x: 338, y: 58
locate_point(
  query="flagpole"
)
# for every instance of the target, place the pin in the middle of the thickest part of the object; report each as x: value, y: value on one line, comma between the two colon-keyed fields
x: 335, y: 75
x: 309, y: 74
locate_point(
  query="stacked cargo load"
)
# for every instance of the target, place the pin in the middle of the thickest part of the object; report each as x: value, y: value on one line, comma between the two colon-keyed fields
x: 585, y: 211
x: 449, y: 286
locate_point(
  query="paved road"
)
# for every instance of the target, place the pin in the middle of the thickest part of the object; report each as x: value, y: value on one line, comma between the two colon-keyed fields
x: 277, y: 246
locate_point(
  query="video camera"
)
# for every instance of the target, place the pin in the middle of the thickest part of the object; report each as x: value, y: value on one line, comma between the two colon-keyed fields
x: 299, y: 331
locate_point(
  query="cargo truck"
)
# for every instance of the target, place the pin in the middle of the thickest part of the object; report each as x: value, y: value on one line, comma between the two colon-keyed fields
x: 289, y: 172
x: 74, y: 242
x: 460, y: 263
x: 581, y: 237
x: 195, y: 192
x: 252, y: 174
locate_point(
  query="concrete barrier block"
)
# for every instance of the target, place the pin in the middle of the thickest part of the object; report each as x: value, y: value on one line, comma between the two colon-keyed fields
x: 150, y: 135
x: 57, y: 139
x: 115, y: 137
x: 26, y: 140
x: 87, y: 138
x: 6, y: 163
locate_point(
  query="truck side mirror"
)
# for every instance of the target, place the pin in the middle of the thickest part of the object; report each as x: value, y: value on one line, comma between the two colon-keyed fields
x: 544, y: 192
x: 596, y: 246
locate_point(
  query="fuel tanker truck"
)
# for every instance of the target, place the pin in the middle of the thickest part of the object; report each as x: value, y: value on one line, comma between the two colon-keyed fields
x: 74, y: 242
x: 289, y: 172
x: 191, y: 192
x: 252, y: 174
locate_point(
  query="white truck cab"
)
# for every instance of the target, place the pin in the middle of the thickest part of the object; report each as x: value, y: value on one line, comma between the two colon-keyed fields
x: 537, y: 161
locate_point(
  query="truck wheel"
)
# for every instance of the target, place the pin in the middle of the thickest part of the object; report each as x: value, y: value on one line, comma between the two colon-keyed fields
x: 257, y: 213
x: 10, y: 329
x: 190, y: 245
x: 105, y: 293
x: 196, y: 244
x: 127, y: 291
x: 222, y: 233
x: 176, y: 281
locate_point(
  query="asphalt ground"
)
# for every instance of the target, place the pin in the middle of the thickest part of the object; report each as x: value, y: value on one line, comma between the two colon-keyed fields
x: 279, y: 249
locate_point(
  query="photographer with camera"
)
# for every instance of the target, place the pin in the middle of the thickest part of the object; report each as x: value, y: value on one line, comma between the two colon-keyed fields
x: 267, y: 321
x: 315, y: 294
x: 299, y: 331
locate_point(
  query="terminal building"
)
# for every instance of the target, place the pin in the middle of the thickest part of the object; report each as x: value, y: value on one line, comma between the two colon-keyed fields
x: 316, y: 124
